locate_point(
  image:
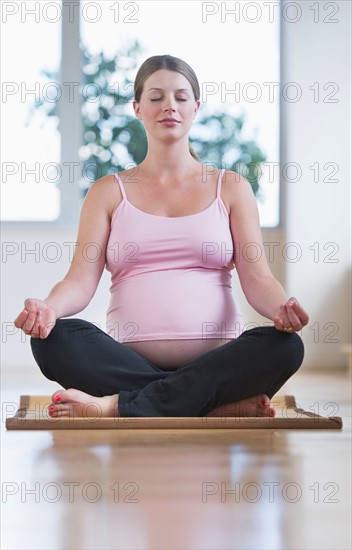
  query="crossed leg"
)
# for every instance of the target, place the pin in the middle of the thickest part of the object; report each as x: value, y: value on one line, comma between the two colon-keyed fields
x: 102, y: 377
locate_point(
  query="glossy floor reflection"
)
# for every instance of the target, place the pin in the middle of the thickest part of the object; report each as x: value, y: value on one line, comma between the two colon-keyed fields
x: 179, y: 489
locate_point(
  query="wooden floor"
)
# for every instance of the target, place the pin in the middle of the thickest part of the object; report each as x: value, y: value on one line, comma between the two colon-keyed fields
x: 180, y: 489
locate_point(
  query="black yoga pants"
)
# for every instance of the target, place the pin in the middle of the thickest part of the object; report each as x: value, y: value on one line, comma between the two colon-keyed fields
x: 77, y: 354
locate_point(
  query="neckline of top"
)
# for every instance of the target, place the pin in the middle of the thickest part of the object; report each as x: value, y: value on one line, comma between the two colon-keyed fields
x: 169, y: 217
x: 125, y: 199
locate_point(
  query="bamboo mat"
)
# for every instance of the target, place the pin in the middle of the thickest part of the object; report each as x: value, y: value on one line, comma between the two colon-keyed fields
x: 33, y: 415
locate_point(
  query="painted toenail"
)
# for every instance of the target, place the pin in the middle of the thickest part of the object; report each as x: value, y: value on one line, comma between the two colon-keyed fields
x: 57, y: 398
x: 51, y: 408
x: 264, y: 402
x: 272, y: 413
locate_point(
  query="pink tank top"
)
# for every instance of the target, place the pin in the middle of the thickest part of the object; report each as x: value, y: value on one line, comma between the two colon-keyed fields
x: 171, y: 276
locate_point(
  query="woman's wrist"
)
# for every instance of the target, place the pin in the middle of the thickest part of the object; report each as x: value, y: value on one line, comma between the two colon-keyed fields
x: 53, y: 306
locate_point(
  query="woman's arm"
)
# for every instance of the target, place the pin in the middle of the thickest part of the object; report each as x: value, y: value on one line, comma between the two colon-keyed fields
x: 75, y: 291
x: 263, y: 292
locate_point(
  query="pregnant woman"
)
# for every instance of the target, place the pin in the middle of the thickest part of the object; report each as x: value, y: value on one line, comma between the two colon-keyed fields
x: 170, y: 231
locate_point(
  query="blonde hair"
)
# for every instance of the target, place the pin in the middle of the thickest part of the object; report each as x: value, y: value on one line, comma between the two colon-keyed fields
x: 170, y: 63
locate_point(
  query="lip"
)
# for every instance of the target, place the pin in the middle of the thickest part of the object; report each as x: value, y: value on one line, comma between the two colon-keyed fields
x: 168, y: 120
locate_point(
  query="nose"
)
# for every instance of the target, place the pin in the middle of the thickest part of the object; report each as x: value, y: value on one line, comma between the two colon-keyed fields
x: 169, y: 104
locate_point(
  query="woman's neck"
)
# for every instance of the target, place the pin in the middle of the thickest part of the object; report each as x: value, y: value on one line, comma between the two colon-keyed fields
x: 169, y: 161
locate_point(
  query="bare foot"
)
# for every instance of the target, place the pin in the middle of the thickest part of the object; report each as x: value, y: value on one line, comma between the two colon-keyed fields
x: 73, y: 402
x: 258, y: 405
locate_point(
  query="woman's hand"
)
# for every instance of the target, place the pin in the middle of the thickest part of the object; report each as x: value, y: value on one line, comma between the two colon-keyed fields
x: 290, y: 317
x: 37, y: 319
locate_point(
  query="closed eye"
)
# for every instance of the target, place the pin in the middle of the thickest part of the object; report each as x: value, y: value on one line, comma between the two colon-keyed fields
x: 178, y: 99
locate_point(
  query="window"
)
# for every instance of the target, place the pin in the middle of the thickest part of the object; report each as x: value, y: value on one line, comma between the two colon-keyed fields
x: 233, y: 47
x: 235, y: 56
x: 30, y: 144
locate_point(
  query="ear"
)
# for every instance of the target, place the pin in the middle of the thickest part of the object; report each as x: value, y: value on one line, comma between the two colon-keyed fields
x: 196, y: 107
x: 137, y: 109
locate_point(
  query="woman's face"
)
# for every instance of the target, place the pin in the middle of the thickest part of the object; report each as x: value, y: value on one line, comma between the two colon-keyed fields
x: 167, y: 94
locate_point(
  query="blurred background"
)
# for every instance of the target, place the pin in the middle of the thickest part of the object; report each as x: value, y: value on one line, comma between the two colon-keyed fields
x: 275, y: 83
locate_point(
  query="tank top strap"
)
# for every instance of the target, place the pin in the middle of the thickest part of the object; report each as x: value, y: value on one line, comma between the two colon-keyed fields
x: 218, y: 192
x: 119, y: 181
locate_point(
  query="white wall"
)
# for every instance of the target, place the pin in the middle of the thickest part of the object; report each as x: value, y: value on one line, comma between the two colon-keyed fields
x: 319, y: 132
x: 31, y: 275
x: 312, y: 212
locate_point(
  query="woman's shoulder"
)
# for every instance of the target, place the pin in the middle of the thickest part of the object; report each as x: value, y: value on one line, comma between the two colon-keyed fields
x: 130, y: 174
x: 105, y: 193
x: 235, y: 187
x: 232, y: 176
x: 103, y: 183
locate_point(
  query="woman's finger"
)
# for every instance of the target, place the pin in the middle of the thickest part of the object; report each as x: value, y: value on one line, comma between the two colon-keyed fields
x: 36, y: 329
x: 278, y: 319
x: 45, y: 329
x: 31, y: 303
x: 29, y: 323
x: 302, y: 314
x: 21, y: 319
x: 42, y: 331
x: 292, y: 317
x: 284, y: 320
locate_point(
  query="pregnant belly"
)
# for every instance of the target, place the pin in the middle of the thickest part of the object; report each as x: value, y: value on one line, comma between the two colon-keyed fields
x: 171, y: 354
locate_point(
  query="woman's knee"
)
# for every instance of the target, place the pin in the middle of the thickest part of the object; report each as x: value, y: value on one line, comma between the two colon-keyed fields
x: 69, y: 332
x: 53, y: 342
x: 285, y: 347
x: 64, y: 341
x: 291, y: 350
x: 42, y: 355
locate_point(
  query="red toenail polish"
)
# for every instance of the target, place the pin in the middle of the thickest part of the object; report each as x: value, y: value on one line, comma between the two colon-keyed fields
x: 57, y: 398
x: 50, y: 413
x: 51, y: 408
x: 263, y: 403
x: 272, y: 413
